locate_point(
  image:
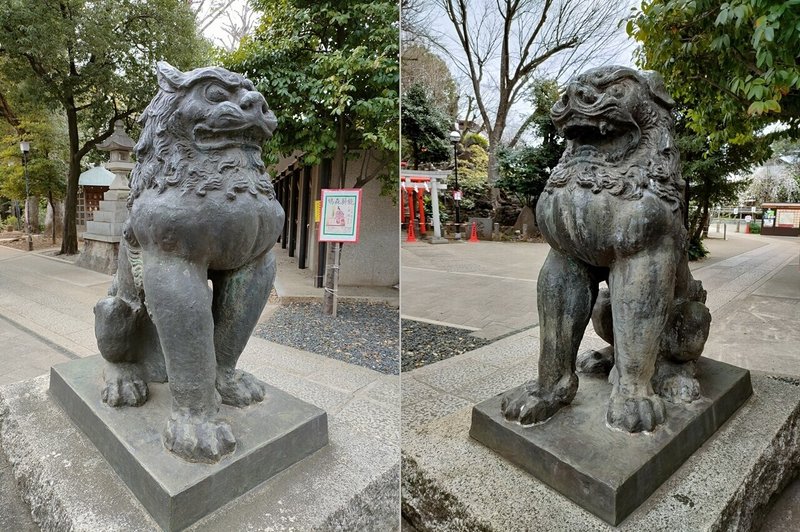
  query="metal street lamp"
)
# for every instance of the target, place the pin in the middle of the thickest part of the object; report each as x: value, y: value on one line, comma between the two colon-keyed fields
x: 455, y: 138
x: 25, y: 148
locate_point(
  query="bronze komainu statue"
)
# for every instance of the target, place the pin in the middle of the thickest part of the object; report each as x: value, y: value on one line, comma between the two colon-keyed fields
x: 201, y: 209
x: 612, y: 211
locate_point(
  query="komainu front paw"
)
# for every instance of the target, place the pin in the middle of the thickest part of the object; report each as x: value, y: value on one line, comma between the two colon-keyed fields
x: 530, y: 403
x: 199, y: 438
x: 635, y: 413
x: 124, y: 385
x: 239, y: 388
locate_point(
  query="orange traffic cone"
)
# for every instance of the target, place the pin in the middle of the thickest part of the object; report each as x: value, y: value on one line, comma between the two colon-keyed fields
x: 411, y: 237
x: 473, y: 237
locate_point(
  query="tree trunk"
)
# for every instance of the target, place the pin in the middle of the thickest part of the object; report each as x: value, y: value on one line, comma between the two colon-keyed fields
x: 702, y: 220
x: 53, y: 222
x: 32, y: 207
x: 69, y: 246
x: 332, y: 271
x: 492, y: 173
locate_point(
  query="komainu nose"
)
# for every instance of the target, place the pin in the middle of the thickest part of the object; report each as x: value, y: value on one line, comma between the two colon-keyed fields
x: 254, y: 100
x: 585, y: 94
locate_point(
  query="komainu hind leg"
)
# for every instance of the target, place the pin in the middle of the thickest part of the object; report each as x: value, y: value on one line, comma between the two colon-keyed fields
x: 684, y: 339
x: 600, y: 361
x: 566, y: 292
x: 239, y: 299
x: 117, y: 325
x: 676, y: 381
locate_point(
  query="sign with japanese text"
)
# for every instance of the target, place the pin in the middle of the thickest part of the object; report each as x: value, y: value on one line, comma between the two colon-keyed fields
x: 341, y: 215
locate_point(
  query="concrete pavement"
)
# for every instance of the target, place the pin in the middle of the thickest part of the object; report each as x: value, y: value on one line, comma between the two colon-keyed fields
x: 753, y: 285
x: 490, y: 287
x: 46, y: 317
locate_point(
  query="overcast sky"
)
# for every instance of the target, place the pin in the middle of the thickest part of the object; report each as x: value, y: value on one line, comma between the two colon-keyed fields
x: 618, y: 51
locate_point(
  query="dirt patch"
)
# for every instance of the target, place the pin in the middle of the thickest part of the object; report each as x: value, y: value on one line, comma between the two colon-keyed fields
x: 19, y: 241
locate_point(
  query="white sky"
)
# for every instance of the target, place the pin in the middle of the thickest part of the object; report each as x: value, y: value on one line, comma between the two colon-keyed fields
x: 215, y: 32
x: 619, y: 51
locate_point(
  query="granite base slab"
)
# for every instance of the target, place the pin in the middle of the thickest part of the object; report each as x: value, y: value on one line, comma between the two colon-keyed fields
x: 271, y: 436
x: 606, y: 471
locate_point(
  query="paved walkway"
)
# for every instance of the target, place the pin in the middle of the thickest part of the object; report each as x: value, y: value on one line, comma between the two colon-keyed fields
x: 753, y: 285
x: 46, y: 317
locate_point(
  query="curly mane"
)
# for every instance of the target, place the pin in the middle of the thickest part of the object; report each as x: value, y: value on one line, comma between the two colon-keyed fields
x: 653, y: 163
x: 167, y: 157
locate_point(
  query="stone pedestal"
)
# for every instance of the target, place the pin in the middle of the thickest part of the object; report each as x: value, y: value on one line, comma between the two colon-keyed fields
x: 104, y: 233
x: 451, y: 481
x: 606, y: 471
x: 271, y: 436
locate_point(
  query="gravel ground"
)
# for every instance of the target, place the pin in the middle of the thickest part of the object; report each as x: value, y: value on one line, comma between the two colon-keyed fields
x: 362, y: 333
x: 424, y: 343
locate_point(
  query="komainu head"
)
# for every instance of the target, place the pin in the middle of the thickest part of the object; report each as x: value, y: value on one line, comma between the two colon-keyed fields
x: 203, y: 131
x: 618, y: 130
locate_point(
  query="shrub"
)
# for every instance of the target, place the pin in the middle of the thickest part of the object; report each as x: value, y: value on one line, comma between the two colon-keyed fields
x: 11, y: 223
x: 697, y: 250
x: 755, y: 228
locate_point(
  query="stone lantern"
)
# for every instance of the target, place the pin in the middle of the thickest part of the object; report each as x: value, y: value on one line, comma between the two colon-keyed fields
x: 103, y: 234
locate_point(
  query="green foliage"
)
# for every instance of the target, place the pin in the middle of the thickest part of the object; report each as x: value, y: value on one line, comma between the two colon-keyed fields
x: 101, y: 55
x: 733, y: 64
x: 424, y: 128
x: 473, y: 174
x: 524, y: 171
x: 47, y: 161
x: 476, y: 138
x: 708, y: 167
x: 11, y: 223
x: 696, y: 249
x: 755, y: 228
x: 95, y: 61
x: 330, y: 72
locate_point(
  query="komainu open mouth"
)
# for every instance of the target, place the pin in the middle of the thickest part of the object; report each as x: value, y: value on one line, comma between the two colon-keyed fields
x: 599, y: 139
x: 208, y: 138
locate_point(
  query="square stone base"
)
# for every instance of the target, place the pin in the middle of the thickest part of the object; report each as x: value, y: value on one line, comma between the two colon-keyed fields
x: 270, y: 436
x: 610, y: 472
x: 99, y: 253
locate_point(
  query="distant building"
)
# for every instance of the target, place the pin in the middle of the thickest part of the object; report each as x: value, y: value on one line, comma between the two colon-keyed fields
x: 373, y: 261
x: 92, y: 183
x: 780, y: 219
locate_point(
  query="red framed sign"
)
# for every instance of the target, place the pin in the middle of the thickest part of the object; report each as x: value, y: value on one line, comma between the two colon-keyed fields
x: 340, y: 218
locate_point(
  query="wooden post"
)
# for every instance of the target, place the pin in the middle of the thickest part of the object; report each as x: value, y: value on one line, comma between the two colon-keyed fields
x: 337, y: 250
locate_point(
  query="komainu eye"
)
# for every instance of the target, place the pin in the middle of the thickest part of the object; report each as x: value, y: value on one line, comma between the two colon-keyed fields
x: 617, y: 91
x: 217, y: 94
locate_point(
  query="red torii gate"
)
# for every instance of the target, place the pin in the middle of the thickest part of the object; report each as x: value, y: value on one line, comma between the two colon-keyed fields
x: 419, y: 182
x: 413, y: 186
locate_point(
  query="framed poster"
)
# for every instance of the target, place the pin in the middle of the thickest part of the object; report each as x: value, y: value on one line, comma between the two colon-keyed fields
x: 341, y: 215
x: 785, y: 218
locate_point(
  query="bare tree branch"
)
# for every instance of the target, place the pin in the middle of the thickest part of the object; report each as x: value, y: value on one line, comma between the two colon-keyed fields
x: 501, y: 45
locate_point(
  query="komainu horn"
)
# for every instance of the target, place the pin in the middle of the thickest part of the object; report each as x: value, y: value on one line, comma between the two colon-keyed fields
x: 612, y: 211
x: 201, y: 208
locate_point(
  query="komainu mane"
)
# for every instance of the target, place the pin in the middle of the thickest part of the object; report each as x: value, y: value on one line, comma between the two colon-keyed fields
x: 201, y: 208
x: 612, y: 211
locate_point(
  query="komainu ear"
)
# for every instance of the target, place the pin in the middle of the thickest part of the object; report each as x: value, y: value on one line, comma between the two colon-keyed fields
x: 656, y: 85
x: 169, y: 77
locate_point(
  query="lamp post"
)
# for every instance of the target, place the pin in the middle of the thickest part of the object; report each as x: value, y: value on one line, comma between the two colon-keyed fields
x: 25, y: 148
x: 455, y: 137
